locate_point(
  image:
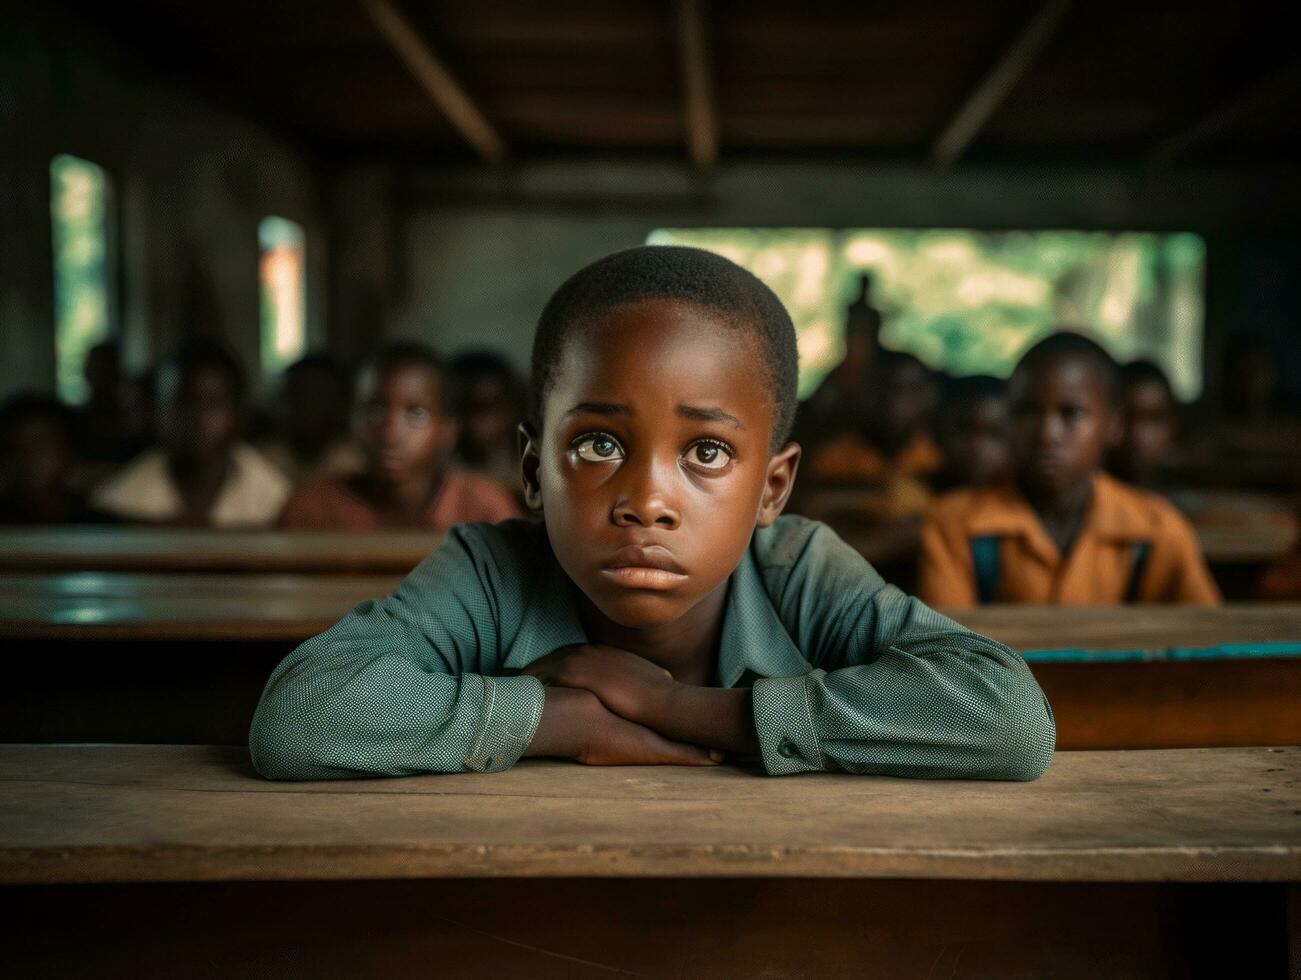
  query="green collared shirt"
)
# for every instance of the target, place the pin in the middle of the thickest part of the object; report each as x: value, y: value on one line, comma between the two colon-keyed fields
x: 846, y: 672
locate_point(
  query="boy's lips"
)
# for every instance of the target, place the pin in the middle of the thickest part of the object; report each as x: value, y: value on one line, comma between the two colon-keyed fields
x: 645, y: 567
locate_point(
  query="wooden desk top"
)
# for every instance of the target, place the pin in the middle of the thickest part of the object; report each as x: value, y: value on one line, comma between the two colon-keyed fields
x: 290, y: 608
x: 104, y: 813
x: 132, y: 549
x: 1133, y: 627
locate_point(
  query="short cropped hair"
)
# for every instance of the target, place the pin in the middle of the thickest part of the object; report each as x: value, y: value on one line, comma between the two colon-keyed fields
x: 960, y: 392
x: 1067, y: 345
x: 411, y: 353
x: 1143, y: 371
x: 690, y: 275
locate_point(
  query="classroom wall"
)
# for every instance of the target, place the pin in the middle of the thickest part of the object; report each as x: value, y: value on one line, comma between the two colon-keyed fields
x: 473, y: 255
x: 192, y: 182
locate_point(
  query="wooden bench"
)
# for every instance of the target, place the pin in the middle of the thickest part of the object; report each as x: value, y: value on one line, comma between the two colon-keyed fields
x: 183, y: 658
x: 1133, y: 863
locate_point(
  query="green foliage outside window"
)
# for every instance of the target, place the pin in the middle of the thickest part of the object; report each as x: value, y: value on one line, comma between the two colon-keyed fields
x: 79, y: 224
x: 969, y: 302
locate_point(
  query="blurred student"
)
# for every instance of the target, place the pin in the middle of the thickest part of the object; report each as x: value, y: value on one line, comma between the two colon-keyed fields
x: 971, y: 430
x: 103, y: 436
x: 407, y: 427
x: 890, y: 438
x: 36, y: 462
x: 200, y: 474
x: 493, y: 404
x: 842, y: 395
x: 1065, y: 533
x: 1149, y: 415
x: 311, y: 422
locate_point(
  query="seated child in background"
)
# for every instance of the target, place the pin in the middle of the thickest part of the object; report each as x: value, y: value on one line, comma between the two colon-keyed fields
x: 36, y: 463
x: 663, y: 613
x: 311, y: 422
x: 971, y: 429
x: 407, y: 429
x: 1065, y: 533
x: 200, y: 474
x: 891, y: 440
x: 1149, y: 414
x: 493, y: 404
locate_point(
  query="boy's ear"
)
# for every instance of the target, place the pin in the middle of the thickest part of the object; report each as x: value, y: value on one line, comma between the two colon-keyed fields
x: 779, y: 483
x: 530, y: 448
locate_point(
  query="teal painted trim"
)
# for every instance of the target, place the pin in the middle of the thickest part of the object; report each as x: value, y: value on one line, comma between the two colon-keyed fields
x: 1227, y: 651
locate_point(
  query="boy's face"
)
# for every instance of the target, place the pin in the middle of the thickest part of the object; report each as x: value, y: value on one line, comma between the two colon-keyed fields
x: 400, y: 421
x: 197, y: 412
x: 1062, y: 424
x: 905, y: 397
x: 975, y: 441
x: 1149, y: 423
x: 489, y: 417
x: 654, y: 465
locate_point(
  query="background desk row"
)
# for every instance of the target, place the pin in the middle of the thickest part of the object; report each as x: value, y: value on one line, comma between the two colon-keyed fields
x: 183, y: 658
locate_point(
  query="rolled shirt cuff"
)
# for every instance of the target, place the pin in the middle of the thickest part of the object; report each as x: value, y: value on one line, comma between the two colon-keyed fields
x: 511, y: 713
x: 784, y: 722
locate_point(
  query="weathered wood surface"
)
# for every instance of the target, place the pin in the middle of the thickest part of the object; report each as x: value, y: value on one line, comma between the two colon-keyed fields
x: 1133, y: 627
x: 199, y: 813
x: 133, y: 549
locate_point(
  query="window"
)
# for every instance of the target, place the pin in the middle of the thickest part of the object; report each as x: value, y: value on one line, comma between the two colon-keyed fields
x: 284, y: 302
x: 79, y: 213
x: 969, y: 302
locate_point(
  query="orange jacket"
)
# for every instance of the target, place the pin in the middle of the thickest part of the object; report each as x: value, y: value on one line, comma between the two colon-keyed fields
x: 1133, y: 546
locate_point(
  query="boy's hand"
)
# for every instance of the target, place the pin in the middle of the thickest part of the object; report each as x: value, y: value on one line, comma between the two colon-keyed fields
x: 576, y: 725
x: 628, y: 685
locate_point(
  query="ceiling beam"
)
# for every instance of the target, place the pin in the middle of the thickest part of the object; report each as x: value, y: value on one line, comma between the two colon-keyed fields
x: 995, y: 87
x: 439, y: 84
x: 1282, y: 83
x: 697, y: 84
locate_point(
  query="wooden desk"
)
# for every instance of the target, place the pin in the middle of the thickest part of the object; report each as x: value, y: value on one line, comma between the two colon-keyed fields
x: 129, y: 549
x: 1142, y: 863
x: 167, y: 658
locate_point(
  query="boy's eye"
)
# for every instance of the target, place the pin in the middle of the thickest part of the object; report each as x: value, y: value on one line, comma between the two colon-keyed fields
x: 709, y: 455
x: 596, y: 448
x: 417, y: 417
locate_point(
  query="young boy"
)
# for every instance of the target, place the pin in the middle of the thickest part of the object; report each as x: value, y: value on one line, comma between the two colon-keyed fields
x: 36, y: 462
x: 1065, y: 533
x: 1149, y: 414
x: 311, y: 422
x: 663, y: 613
x: 971, y: 430
x: 493, y: 403
x: 407, y: 429
x: 891, y: 441
x: 201, y: 474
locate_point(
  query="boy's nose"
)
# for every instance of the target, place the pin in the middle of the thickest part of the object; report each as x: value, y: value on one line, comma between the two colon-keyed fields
x: 642, y: 502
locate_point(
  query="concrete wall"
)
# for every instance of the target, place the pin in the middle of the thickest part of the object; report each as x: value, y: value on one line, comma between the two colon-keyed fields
x: 192, y: 182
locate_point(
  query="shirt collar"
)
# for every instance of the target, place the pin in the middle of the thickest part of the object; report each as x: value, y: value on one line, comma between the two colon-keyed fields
x: 754, y: 637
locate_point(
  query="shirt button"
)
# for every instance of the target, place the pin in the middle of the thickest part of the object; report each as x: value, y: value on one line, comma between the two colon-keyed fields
x: 788, y: 750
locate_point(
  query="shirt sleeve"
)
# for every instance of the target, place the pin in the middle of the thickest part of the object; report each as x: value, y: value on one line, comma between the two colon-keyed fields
x: 896, y: 689
x: 944, y: 573
x: 403, y: 685
x: 1187, y: 577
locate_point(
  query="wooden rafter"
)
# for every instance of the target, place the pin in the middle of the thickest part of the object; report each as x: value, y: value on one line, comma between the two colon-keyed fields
x: 995, y: 87
x: 697, y: 84
x: 1281, y: 83
x: 451, y: 98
